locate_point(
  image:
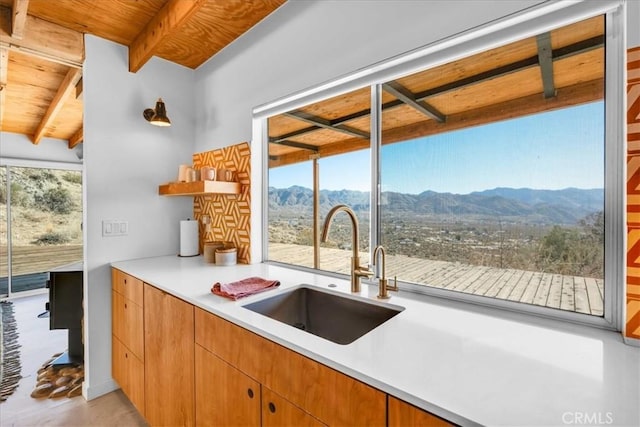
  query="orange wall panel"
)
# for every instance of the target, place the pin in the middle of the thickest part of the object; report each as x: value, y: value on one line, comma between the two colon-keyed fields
x: 632, y: 327
x: 230, y: 214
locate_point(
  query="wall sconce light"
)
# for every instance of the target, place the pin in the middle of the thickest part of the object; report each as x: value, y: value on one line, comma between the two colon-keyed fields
x: 157, y: 116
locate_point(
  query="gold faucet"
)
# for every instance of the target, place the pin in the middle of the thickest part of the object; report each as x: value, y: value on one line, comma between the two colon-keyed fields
x: 357, y: 271
x: 383, y: 283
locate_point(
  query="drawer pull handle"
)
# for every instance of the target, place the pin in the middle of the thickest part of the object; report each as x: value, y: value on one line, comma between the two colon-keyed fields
x: 125, y: 281
x: 272, y: 408
x: 250, y: 393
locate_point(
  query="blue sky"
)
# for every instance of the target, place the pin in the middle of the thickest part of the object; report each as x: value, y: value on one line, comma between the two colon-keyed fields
x: 552, y: 150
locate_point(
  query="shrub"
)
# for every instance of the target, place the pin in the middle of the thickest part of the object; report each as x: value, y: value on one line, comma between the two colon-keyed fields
x: 52, y: 238
x: 73, y: 177
x: 57, y: 200
x: 19, y: 197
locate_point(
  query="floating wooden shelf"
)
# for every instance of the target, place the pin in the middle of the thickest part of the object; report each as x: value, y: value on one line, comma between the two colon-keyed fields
x: 198, y: 188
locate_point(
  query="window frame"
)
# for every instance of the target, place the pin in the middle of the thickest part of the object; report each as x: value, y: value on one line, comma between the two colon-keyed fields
x: 528, y: 23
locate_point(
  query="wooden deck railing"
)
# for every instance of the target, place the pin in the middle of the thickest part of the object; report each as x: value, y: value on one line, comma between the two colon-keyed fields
x: 37, y: 259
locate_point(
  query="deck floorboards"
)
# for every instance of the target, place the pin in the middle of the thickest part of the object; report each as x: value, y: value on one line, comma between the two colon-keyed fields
x: 571, y: 293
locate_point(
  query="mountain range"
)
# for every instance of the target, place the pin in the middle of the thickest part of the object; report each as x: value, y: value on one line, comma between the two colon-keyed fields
x: 566, y: 206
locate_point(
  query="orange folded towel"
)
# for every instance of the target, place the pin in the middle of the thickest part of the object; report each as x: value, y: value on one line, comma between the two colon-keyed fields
x: 243, y: 288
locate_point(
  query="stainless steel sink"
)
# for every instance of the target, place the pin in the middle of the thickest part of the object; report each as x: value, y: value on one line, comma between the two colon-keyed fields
x: 335, y: 317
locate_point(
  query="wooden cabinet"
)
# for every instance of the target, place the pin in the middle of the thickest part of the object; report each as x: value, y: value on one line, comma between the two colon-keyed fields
x: 403, y: 414
x: 169, y: 359
x: 128, y: 371
x: 224, y: 395
x: 227, y: 397
x: 127, y: 354
x: 128, y: 286
x: 278, y: 412
x: 322, y: 392
x: 181, y: 365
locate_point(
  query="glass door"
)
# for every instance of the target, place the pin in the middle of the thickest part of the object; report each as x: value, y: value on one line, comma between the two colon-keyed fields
x: 4, y: 247
x: 42, y: 227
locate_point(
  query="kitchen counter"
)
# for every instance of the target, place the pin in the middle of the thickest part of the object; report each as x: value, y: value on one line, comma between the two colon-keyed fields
x: 468, y: 364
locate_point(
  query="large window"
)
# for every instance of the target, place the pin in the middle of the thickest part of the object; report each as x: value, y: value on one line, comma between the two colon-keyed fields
x: 490, y: 174
x: 304, y: 185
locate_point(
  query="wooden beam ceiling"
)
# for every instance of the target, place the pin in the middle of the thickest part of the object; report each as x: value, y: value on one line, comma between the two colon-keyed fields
x: 19, y: 18
x: 64, y: 91
x: 4, y: 64
x: 568, y: 96
x: 76, y: 138
x: 169, y: 20
x: 43, y: 39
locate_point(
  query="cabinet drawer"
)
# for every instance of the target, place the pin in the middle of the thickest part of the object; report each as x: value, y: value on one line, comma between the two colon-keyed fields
x: 128, y: 286
x: 302, y: 381
x: 233, y: 344
x: 128, y: 371
x: 128, y: 318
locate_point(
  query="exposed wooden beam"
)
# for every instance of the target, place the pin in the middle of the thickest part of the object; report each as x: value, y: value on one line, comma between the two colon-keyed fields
x: 560, y: 53
x: 294, y: 144
x: 19, y: 18
x: 167, y: 21
x: 566, y: 97
x: 79, y: 88
x: 404, y: 95
x: 545, y: 60
x: 64, y: 91
x: 76, y: 138
x: 44, y: 39
x: 4, y: 64
x: 326, y: 124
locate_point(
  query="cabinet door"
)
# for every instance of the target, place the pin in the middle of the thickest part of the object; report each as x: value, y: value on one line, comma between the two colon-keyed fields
x: 117, y: 315
x: 118, y: 364
x: 278, y: 412
x: 403, y: 414
x: 128, y: 319
x: 128, y: 371
x: 169, y: 359
x: 224, y: 395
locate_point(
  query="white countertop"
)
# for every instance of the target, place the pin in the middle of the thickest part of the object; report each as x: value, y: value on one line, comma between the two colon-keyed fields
x: 468, y: 364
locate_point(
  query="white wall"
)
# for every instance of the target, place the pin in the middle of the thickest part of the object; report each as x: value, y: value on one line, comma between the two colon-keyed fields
x: 17, y: 146
x: 633, y: 23
x: 305, y: 43
x: 125, y: 160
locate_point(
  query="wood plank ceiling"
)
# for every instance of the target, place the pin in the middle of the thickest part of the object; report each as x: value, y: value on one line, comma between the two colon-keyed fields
x: 562, y: 68
x: 42, y: 50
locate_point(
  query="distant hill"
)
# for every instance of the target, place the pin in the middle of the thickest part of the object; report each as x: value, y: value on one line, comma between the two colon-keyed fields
x: 566, y: 206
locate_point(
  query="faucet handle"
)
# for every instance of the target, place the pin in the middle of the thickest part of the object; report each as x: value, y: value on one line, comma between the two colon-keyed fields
x: 395, y: 284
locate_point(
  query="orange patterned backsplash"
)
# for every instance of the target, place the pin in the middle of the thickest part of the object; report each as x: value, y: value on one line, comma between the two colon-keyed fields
x: 632, y: 327
x: 230, y: 214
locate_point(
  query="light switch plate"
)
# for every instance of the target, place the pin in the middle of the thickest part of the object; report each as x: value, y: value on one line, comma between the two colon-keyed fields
x: 112, y: 228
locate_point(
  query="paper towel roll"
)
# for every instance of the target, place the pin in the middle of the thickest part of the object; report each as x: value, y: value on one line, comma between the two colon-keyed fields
x: 189, y: 238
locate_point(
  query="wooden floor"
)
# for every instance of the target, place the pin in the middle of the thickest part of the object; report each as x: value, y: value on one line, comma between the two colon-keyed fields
x: 38, y: 345
x: 571, y: 293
